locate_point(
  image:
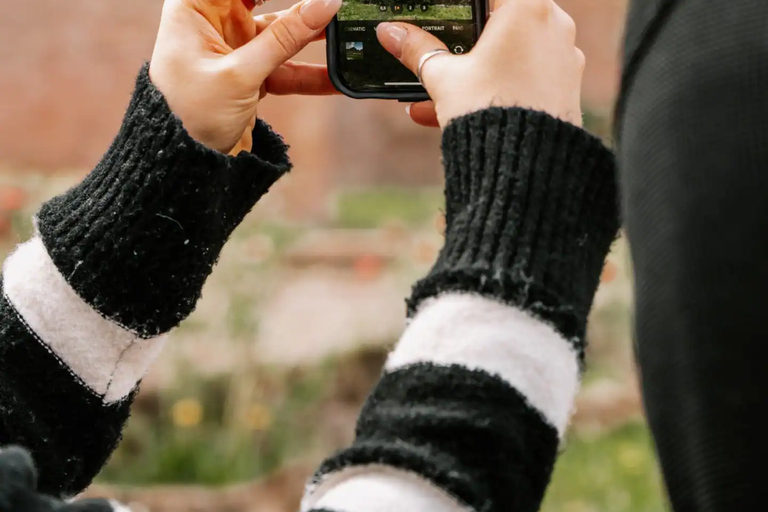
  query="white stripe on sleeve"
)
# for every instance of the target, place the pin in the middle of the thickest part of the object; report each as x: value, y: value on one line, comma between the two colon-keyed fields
x: 108, y: 358
x: 377, y: 488
x: 480, y: 333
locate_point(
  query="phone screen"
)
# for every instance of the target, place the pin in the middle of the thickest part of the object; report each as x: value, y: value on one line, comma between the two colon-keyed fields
x: 364, y: 65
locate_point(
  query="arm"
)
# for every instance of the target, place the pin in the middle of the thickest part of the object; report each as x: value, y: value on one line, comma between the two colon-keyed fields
x: 476, y: 397
x: 121, y: 258
x: 693, y: 152
x: 117, y: 261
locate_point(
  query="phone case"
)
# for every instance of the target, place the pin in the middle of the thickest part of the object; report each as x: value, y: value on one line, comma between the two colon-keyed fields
x: 481, y: 8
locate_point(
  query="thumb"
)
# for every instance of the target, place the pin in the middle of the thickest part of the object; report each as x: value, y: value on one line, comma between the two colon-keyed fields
x: 409, y: 44
x: 287, y: 36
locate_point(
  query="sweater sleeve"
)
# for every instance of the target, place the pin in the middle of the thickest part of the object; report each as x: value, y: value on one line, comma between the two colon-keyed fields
x: 116, y: 262
x: 476, y: 397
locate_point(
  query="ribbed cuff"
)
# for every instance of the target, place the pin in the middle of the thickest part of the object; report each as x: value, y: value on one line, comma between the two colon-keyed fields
x: 139, y: 236
x: 531, y: 212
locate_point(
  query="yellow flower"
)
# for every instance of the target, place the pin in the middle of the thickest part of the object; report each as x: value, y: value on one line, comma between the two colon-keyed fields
x: 187, y: 413
x: 631, y: 458
x: 258, y: 417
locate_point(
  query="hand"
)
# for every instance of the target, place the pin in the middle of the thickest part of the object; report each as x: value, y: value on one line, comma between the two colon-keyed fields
x: 213, y: 62
x: 526, y: 57
x: 18, y: 488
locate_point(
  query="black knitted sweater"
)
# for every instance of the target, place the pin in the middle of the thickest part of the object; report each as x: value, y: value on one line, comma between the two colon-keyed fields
x: 474, y: 400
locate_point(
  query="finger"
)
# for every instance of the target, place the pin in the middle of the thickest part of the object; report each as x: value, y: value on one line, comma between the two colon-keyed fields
x: 520, y: 17
x: 262, y: 21
x: 16, y: 466
x: 423, y: 114
x: 409, y: 43
x: 232, y: 20
x: 287, y: 35
x: 300, y: 78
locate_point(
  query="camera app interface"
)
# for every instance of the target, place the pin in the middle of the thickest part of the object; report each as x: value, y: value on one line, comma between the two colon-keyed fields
x: 365, y: 65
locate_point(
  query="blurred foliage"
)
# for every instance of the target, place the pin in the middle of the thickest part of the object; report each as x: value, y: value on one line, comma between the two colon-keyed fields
x: 223, y: 428
x: 614, y: 472
x: 377, y: 206
x: 202, y: 431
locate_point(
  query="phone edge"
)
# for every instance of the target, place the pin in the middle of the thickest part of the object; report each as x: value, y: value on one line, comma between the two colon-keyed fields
x: 408, y: 97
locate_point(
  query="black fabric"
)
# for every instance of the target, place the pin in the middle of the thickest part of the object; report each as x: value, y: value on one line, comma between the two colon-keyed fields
x: 694, y: 164
x: 467, y: 431
x: 139, y: 236
x: 46, y: 409
x: 18, y: 488
x: 531, y: 211
x: 136, y: 240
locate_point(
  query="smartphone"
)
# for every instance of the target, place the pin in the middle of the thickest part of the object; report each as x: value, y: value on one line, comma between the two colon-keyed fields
x: 360, y: 67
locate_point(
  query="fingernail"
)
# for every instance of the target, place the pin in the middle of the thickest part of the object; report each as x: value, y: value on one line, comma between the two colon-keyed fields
x: 408, y: 109
x: 318, y: 13
x: 392, y: 37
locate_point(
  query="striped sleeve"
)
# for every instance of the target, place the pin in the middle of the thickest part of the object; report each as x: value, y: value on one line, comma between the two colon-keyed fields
x: 115, y: 263
x: 476, y: 397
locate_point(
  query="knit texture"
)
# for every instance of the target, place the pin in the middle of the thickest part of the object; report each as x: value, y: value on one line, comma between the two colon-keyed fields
x: 467, y: 431
x: 531, y: 210
x: 48, y: 410
x: 140, y: 235
x: 136, y: 241
x: 693, y: 156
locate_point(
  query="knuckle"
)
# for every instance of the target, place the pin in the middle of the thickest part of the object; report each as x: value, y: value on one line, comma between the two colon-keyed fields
x: 569, y: 25
x: 539, y: 9
x: 413, y: 48
x: 285, y: 37
x: 581, y: 59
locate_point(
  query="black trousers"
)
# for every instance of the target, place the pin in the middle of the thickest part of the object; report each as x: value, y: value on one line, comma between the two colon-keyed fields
x: 692, y: 133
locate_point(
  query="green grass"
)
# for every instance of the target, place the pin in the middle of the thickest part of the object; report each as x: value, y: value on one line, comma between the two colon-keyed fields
x: 221, y: 448
x: 352, y: 11
x: 615, y: 472
x: 376, y: 206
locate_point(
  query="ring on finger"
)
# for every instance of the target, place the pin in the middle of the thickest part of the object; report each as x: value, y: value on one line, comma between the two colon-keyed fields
x: 423, y: 60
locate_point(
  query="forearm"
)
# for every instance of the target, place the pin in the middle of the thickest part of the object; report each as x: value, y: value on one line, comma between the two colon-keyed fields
x: 477, y: 395
x: 693, y: 154
x: 116, y: 262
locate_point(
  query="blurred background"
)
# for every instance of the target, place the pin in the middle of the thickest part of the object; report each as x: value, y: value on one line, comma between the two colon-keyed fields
x: 267, y: 376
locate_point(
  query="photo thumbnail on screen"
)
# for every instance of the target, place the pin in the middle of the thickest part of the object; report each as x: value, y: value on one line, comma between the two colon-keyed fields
x: 405, y: 10
x: 354, y: 50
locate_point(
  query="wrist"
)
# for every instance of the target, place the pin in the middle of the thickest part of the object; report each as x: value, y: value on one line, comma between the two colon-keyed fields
x: 140, y: 235
x: 201, y: 118
x: 531, y: 211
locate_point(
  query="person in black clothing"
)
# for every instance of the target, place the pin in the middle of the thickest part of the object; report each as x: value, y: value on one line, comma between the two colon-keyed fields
x: 692, y: 130
x: 476, y: 397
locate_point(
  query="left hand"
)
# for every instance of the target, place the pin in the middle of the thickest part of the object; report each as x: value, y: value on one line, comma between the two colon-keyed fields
x: 213, y: 61
x: 18, y: 488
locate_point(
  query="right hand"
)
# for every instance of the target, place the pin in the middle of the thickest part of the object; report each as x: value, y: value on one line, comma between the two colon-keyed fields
x: 525, y: 57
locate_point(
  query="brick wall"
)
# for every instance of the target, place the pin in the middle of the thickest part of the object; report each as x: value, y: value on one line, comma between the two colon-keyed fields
x: 66, y: 73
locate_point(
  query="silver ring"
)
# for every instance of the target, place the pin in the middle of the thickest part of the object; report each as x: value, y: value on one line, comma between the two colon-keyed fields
x: 423, y: 60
